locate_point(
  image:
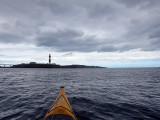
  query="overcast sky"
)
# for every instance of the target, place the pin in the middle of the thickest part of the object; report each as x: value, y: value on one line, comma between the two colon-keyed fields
x: 111, y: 33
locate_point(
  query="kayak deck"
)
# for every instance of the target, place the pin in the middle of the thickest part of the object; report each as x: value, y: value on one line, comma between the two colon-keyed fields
x: 61, y: 109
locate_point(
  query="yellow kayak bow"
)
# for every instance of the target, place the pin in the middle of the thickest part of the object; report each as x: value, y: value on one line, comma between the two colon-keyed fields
x: 60, y: 108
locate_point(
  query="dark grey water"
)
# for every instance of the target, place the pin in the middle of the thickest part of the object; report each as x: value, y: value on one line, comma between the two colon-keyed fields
x: 94, y: 94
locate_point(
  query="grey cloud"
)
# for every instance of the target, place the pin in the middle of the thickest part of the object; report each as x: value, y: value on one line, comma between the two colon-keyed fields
x: 67, y: 54
x: 102, y: 10
x: 155, y: 34
x: 15, y: 33
x: 58, y: 8
x: 67, y: 40
x: 141, y: 4
x: 28, y: 20
x: 132, y: 3
x: 73, y: 40
x: 154, y: 45
x: 108, y: 48
x: 23, y: 9
x: 10, y: 38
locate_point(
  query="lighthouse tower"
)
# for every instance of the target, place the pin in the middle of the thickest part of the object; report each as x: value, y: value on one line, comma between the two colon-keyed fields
x: 49, y: 58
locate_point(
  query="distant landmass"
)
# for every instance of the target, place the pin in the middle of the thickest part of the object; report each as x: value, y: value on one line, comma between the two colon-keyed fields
x: 43, y: 65
x: 36, y: 65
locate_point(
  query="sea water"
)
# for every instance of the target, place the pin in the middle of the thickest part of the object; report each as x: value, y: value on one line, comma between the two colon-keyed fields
x: 94, y: 94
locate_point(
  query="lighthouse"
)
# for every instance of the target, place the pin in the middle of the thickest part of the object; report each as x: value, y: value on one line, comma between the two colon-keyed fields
x: 49, y: 58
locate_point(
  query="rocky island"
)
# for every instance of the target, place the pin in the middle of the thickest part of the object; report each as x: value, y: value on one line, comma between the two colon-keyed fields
x: 45, y: 65
x: 36, y: 65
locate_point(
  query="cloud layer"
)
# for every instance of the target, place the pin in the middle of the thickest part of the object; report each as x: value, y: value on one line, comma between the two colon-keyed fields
x: 82, y: 26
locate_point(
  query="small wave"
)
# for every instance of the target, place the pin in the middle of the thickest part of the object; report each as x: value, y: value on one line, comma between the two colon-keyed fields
x: 94, y: 94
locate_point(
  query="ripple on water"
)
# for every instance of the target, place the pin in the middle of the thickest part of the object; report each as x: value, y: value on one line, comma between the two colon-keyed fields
x: 94, y: 94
